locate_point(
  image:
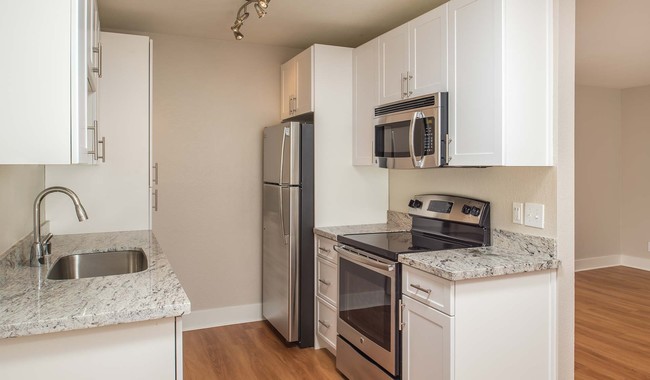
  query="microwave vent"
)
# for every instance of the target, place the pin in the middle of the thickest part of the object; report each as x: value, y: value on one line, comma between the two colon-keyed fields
x: 406, y: 105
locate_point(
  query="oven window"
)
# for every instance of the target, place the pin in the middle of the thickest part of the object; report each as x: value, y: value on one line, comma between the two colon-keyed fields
x: 392, y: 140
x: 365, y: 302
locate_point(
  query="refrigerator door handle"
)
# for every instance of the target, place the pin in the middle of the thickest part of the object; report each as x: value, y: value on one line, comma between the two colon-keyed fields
x: 285, y: 235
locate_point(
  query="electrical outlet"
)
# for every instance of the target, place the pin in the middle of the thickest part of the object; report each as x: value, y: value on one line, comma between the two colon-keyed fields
x: 534, y: 215
x: 518, y: 213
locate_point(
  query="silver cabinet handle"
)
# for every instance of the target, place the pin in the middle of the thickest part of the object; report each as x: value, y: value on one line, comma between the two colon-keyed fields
x: 324, y: 323
x: 103, y: 156
x: 100, y: 62
x: 93, y: 128
x: 418, y: 287
x: 155, y: 173
x: 408, y: 84
x: 324, y: 249
x: 447, y: 143
x: 324, y: 282
x: 155, y: 200
x: 400, y: 322
x: 403, y: 79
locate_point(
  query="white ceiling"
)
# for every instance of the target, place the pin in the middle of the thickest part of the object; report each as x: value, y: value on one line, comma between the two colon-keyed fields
x: 613, y: 43
x: 292, y: 23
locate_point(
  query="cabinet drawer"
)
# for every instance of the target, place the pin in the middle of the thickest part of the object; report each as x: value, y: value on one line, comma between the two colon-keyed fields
x: 327, y: 280
x: 326, y: 322
x: 428, y: 289
x: 325, y: 248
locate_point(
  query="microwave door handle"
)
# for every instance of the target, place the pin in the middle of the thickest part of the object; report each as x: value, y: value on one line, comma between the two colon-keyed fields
x: 416, y: 163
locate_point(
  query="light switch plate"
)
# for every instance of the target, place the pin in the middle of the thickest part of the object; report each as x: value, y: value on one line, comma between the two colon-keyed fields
x: 534, y: 215
x: 517, y: 213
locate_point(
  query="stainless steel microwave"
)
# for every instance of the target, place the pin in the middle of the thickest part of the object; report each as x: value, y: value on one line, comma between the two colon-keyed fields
x: 412, y: 134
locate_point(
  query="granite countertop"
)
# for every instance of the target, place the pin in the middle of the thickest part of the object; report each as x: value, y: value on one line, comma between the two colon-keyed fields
x: 31, y: 304
x: 335, y: 231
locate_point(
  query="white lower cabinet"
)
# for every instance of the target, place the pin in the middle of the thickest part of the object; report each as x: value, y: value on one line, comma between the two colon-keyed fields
x: 497, y: 328
x: 148, y: 350
x: 326, y: 293
x: 426, y: 347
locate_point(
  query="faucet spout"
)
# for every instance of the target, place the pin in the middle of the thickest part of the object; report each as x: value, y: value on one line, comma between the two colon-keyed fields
x: 38, y: 251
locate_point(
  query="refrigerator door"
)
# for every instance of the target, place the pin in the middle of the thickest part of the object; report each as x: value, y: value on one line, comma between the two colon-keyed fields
x: 282, y: 154
x: 280, y: 248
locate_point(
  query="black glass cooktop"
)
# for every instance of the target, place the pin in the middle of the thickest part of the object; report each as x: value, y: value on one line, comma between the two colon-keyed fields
x: 392, y: 244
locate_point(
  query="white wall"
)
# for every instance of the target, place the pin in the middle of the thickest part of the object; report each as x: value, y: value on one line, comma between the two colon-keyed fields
x: 598, y: 175
x: 19, y: 186
x: 635, y: 185
x: 211, y: 100
x: 499, y: 186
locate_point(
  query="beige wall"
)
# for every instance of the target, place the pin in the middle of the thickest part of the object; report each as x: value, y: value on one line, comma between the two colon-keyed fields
x: 500, y: 186
x: 211, y: 101
x: 19, y: 186
x: 598, y: 177
x: 635, y: 210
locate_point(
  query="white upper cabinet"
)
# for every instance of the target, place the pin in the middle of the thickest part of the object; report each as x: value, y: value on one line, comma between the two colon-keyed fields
x: 413, y: 57
x: 500, y: 87
x: 428, y: 53
x: 45, y: 87
x: 393, y: 64
x: 366, y: 97
x: 297, y: 85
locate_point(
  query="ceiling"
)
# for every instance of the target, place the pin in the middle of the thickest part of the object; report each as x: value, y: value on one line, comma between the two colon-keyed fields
x: 613, y: 43
x: 291, y: 23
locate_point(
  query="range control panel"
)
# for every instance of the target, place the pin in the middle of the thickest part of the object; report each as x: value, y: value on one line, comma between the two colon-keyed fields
x: 449, y: 207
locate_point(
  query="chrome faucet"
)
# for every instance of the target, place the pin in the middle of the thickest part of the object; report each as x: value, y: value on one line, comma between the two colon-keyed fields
x: 39, y: 250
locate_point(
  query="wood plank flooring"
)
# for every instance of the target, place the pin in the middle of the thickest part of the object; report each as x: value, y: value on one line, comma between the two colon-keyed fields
x: 612, y: 324
x: 251, y: 351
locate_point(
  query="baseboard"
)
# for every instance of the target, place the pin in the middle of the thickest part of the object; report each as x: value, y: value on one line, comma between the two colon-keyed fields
x: 223, y: 316
x: 597, y: 262
x: 636, y: 262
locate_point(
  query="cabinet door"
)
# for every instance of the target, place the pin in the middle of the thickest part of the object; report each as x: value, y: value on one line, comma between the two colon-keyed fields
x: 304, y: 83
x: 475, y: 86
x: 366, y: 98
x: 393, y: 64
x: 288, y: 89
x: 428, y: 53
x: 427, y: 347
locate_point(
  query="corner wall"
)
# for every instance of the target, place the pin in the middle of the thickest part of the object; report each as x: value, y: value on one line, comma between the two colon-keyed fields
x: 635, y: 184
x: 211, y: 101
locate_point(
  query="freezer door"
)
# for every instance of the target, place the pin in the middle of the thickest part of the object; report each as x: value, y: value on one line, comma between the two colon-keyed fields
x: 282, y: 154
x: 280, y: 249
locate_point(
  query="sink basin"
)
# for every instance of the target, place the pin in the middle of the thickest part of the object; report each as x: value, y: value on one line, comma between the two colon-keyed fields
x: 97, y: 264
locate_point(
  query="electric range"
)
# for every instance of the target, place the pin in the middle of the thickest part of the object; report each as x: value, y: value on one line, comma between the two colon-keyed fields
x: 370, y: 278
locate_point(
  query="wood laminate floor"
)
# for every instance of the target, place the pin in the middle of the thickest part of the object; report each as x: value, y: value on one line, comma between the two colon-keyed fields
x: 612, y: 324
x: 251, y: 351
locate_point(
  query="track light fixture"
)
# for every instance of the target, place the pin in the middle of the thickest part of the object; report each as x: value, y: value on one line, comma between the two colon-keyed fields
x: 242, y: 14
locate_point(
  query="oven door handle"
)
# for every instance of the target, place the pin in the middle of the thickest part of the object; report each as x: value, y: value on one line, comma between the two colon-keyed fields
x: 417, y: 163
x: 364, y: 261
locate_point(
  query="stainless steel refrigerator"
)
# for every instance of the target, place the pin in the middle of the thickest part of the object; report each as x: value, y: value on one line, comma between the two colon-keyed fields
x: 287, y: 237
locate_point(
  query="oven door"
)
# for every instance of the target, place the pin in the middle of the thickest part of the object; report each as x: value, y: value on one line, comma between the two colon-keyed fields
x: 368, y: 294
x: 410, y: 139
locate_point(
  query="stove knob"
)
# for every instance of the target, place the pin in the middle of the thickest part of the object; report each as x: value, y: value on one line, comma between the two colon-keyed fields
x: 411, y: 203
x: 417, y: 203
x: 476, y: 211
x: 467, y: 209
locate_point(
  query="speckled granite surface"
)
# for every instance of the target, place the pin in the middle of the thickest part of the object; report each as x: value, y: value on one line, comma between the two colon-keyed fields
x: 397, y: 221
x: 510, y: 253
x: 30, y: 304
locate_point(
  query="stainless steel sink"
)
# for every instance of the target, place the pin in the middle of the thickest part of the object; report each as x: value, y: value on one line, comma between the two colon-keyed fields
x: 97, y: 264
